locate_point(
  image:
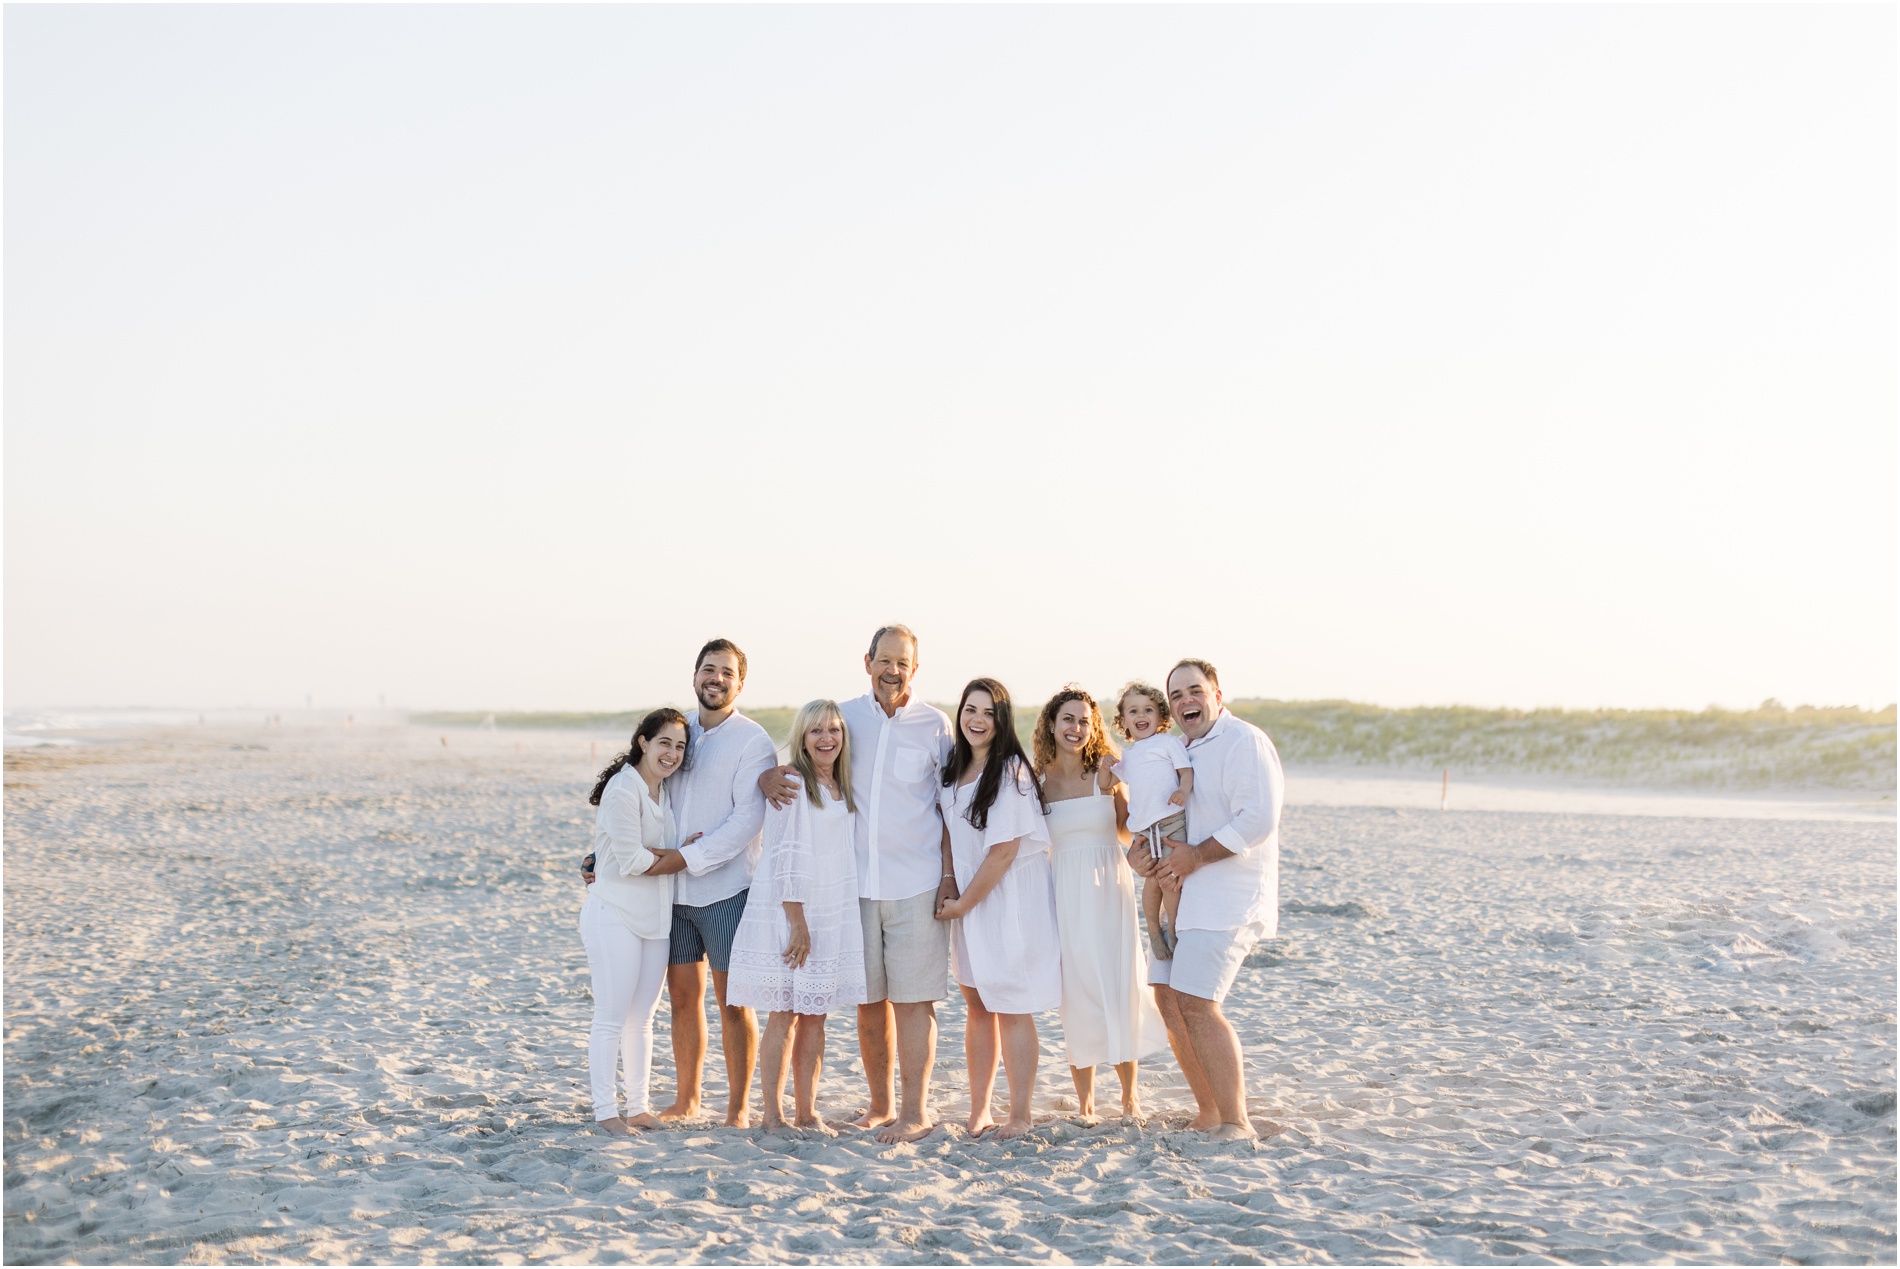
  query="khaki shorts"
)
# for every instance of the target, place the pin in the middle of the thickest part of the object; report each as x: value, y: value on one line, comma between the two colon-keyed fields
x: 906, y: 949
x: 1206, y: 962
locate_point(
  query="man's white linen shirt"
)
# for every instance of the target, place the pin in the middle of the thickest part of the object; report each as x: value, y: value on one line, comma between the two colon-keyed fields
x: 1152, y: 769
x: 718, y: 795
x: 1236, y: 799
x: 896, y: 764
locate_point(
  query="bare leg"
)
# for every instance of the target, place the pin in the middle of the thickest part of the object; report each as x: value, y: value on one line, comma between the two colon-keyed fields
x: 1084, y: 1077
x: 1131, y: 1094
x: 874, y: 1046
x: 916, y: 1054
x: 686, y: 993
x: 773, y: 1051
x: 1214, y: 1041
x: 979, y: 1055
x: 1207, y: 1114
x: 1151, y: 913
x: 739, y: 1037
x: 1170, y: 913
x: 808, y: 1057
x: 1020, y: 1057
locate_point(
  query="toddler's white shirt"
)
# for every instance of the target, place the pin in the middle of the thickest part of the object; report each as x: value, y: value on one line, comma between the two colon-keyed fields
x: 1150, y: 770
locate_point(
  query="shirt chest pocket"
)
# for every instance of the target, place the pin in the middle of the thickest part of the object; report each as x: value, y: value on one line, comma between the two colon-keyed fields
x: 913, y: 766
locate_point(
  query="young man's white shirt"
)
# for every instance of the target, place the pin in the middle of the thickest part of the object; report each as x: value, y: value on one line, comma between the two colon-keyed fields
x: 1152, y: 769
x: 1236, y: 800
x: 896, y: 765
x: 718, y: 795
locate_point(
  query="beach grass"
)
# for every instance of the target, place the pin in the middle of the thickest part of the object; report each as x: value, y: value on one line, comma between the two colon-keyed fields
x: 1769, y: 747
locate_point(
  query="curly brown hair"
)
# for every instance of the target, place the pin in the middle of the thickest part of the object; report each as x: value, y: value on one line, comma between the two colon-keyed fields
x: 1095, y: 749
x: 1154, y: 694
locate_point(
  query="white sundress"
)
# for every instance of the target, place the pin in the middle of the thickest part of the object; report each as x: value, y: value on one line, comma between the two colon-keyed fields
x: 1006, y: 949
x: 806, y: 856
x: 1108, y: 1012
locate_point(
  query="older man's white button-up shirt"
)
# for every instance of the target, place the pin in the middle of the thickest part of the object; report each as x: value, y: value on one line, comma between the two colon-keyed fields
x: 896, y: 765
x: 718, y: 795
x: 1236, y: 800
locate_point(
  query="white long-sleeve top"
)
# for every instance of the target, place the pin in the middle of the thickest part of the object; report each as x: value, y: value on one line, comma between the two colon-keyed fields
x: 895, y: 761
x: 718, y: 795
x: 628, y: 827
x: 1236, y: 800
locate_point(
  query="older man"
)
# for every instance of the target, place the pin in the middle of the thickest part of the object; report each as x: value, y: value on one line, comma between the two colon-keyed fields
x: 1229, y: 871
x: 898, y: 748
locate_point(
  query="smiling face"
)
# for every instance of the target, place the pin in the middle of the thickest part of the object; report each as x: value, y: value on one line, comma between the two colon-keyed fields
x: 1194, y: 701
x: 1071, y: 726
x: 823, y: 741
x: 977, y: 720
x: 661, y: 756
x: 1139, y: 716
x: 891, y: 667
x: 717, y: 681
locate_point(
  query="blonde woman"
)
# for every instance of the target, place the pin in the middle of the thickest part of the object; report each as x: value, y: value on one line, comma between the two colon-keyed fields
x: 799, y: 951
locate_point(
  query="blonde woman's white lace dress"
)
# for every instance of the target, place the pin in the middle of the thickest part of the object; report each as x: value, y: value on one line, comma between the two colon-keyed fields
x: 806, y: 856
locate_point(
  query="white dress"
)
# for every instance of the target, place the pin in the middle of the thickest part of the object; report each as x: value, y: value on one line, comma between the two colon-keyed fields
x: 807, y: 856
x: 1006, y: 948
x: 1108, y: 1012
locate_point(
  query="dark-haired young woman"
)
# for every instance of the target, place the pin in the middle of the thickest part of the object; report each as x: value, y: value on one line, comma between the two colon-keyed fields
x: 628, y: 917
x: 1004, y: 943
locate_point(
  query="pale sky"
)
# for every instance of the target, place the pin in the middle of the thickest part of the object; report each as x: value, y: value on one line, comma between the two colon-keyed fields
x: 497, y: 357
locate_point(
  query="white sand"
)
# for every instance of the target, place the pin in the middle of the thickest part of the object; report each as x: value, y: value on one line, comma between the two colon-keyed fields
x: 318, y: 995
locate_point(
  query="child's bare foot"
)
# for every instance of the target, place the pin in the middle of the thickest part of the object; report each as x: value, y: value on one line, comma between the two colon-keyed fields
x: 645, y: 1122
x: 1014, y: 1127
x: 815, y: 1125
x: 678, y: 1111
x: 980, y: 1123
x: 905, y: 1130
x: 613, y: 1126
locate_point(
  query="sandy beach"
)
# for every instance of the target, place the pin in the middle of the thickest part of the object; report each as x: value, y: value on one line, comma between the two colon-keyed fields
x: 316, y: 994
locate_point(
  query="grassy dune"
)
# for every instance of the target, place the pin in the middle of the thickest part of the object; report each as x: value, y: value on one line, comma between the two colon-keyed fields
x: 1767, y: 748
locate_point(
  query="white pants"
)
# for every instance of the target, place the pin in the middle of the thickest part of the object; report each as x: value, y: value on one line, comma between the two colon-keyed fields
x: 628, y: 971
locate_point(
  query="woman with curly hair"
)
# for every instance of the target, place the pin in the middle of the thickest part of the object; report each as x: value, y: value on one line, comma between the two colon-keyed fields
x: 1107, y: 1013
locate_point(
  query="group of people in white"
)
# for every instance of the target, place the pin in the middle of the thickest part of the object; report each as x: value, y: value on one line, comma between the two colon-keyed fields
x: 894, y: 844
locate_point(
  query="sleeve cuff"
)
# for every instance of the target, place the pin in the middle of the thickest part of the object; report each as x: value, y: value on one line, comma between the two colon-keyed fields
x: 1229, y: 836
x: 695, y: 859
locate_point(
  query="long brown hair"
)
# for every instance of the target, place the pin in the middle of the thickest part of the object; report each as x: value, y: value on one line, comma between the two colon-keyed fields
x: 649, y: 728
x: 1003, y: 747
x: 1095, y: 750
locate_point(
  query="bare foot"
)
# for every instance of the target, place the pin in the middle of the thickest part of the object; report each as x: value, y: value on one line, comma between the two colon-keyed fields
x: 1206, y: 1121
x: 614, y: 1126
x: 1087, y: 1112
x: 1014, y: 1127
x: 904, y: 1130
x: 874, y: 1119
x: 980, y: 1123
x: 644, y: 1122
x: 741, y: 1118
x: 1233, y: 1132
x: 1132, y: 1113
x: 776, y: 1125
x: 815, y: 1125
x: 678, y: 1111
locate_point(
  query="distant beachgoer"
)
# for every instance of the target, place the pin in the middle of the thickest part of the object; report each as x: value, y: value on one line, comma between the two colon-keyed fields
x: 1229, y: 869
x: 898, y: 745
x: 799, y: 952
x: 1007, y: 953
x: 717, y: 805
x: 1107, y: 1013
x: 628, y: 915
x: 1160, y: 776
